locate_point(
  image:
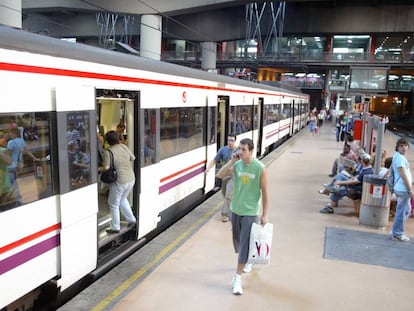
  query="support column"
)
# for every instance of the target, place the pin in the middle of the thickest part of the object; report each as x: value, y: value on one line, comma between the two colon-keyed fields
x: 208, y: 56
x: 150, y: 42
x: 11, y: 13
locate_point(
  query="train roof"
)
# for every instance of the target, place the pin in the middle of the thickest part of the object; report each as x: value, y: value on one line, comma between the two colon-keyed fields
x: 20, y: 40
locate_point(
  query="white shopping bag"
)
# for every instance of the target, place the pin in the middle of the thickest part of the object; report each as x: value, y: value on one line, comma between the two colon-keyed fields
x: 260, y: 243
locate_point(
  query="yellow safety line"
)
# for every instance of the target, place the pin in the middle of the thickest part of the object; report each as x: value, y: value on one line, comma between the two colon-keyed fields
x: 124, y: 286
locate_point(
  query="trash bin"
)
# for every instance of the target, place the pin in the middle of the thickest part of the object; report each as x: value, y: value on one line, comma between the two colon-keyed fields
x: 43, y: 179
x: 375, y: 202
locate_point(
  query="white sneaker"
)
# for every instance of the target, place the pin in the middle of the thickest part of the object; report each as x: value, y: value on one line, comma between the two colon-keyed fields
x: 237, y: 285
x: 402, y: 238
x: 247, y: 267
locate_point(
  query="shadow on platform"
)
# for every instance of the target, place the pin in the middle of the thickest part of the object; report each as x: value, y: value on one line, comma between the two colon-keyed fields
x: 368, y: 248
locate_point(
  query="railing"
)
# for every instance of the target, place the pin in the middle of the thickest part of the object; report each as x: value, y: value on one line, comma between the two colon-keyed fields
x: 303, y: 57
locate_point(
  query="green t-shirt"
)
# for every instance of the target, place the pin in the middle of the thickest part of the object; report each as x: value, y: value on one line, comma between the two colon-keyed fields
x: 4, y: 176
x: 247, y: 195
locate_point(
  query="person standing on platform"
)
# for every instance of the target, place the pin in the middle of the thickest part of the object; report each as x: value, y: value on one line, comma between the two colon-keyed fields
x: 339, y: 127
x: 385, y: 120
x: 119, y: 190
x: 250, y: 192
x: 321, y: 117
x: 223, y: 156
x: 402, y: 189
x: 313, y: 123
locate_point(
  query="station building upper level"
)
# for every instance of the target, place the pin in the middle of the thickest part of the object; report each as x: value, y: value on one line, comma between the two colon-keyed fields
x: 310, y: 44
x: 305, y: 37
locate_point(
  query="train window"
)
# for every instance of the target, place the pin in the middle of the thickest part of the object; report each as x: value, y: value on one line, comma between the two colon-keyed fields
x: 286, y: 112
x: 296, y: 110
x: 149, y: 145
x: 25, y: 158
x: 181, y: 130
x: 79, y: 149
x: 272, y: 114
x: 241, y: 119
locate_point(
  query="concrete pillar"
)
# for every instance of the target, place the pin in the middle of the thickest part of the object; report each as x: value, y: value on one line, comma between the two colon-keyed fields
x: 11, y: 13
x: 150, y: 42
x: 208, y: 56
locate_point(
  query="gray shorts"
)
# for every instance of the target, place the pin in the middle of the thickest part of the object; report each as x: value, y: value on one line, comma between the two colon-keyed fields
x: 241, y: 227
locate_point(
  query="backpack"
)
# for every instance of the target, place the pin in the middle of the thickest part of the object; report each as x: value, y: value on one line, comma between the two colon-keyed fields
x: 390, y: 179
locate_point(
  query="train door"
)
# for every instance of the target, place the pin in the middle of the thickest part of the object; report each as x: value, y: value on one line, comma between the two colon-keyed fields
x: 116, y: 110
x: 294, y: 118
x: 223, y: 121
x: 258, y: 124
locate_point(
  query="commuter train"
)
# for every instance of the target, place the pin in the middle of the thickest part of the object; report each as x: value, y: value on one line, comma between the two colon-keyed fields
x: 62, y: 96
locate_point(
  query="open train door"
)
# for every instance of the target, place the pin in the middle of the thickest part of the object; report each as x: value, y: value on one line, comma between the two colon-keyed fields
x: 223, y: 115
x: 294, y: 118
x: 218, y: 118
x: 117, y: 110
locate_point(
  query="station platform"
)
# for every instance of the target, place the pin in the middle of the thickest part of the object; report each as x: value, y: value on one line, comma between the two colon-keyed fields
x: 318, y: 261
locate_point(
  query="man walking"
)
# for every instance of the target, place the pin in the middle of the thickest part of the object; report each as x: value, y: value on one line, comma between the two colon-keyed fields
x: 249, y: 193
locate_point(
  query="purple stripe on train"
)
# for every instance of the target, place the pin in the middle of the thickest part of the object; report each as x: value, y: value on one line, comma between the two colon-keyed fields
x: 24, y: 256
x: 277, y: 131
x: 180, y: 180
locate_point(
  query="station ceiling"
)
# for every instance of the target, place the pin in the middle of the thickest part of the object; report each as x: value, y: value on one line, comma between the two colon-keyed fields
x: 172, y: 7
x: 133, y: 7
x: 217, y: 20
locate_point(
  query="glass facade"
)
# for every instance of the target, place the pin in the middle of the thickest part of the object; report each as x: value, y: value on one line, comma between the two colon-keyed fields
x: 364, y: 49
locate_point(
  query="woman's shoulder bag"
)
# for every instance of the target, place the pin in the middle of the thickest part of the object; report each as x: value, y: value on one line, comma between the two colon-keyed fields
x: 110, y: 176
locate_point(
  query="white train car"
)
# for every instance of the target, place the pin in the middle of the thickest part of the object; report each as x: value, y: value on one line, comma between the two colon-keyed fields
x: 62, y: 96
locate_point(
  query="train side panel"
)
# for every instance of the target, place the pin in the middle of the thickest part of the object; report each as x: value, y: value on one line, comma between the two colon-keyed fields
x: 29, y: 248
x: 30, y: 239
x: 172, y: 180
x: 78, y: 208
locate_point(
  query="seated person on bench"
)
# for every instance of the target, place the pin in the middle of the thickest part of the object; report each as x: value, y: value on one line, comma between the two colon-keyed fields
x: 343, y: 188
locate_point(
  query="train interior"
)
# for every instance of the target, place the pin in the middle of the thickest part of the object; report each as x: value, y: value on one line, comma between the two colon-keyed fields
x: 115, y: 111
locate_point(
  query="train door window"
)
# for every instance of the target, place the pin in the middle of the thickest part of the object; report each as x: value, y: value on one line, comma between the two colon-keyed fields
x: 79, y: 149
x: 267, y: 115
x: 212, y: 125
x: 241, y: 119
x: 149, y: 141
x: 26, y: 158
x: 256, y: 115
x: 181, y: 130
x: 223, y: 117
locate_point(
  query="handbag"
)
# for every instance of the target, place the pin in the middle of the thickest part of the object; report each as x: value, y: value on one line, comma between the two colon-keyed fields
x: 353, y: 194
x: 110, y: 176
x: 260, y: 243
